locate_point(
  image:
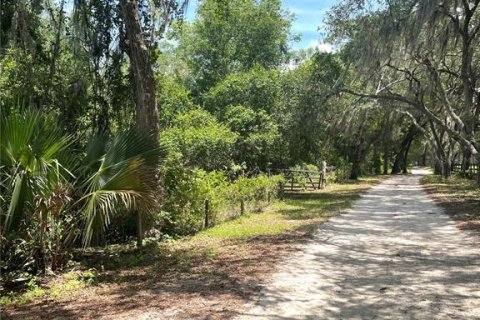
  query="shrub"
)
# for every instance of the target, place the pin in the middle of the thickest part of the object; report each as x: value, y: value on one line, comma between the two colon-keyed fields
x: 187, y: 189
x: 173, y: 98
x: 49, y: 192
x: 253, y: 191
x: 258, y: 135
x: 201, y: 141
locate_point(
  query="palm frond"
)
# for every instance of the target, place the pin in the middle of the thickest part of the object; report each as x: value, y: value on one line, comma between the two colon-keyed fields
x: 125, y: 179
x: 30, y: 145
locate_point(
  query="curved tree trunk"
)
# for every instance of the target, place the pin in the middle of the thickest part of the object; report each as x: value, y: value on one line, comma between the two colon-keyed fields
x: 423, y: 163
x: 405, y: 160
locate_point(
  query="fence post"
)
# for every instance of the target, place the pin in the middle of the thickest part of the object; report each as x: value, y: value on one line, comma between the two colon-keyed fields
x: 280, y: 191
x: 207, y: 213
x: 242, y: 207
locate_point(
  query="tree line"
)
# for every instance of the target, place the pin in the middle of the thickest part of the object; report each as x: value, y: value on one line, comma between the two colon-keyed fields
x: 420, y: 59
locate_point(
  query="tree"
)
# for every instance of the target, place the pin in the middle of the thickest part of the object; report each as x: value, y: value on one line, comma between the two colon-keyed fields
x: 306, y: 107
x: 200, y: 141
x: 258, y: 137
x: 413, y: 68
x: 256, y: 88
x: 174, y: 100
x: 141, y: 67
x: 232, y: 36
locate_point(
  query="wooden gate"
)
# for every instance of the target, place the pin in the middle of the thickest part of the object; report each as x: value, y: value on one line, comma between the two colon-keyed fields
x: 302, y: 180
x: 472, y: 172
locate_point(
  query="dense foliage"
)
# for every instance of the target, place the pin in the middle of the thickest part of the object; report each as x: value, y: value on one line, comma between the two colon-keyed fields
x: 119, y: 120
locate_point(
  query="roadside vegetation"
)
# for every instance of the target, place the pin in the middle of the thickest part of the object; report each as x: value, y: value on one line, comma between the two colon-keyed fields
x: 233, y: 257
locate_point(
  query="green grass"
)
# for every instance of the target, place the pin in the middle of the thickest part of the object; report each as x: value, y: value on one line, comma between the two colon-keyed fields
x: 294, y: 212
x: 249, y: 225
x: 57, y: 288
x: 454, y: 186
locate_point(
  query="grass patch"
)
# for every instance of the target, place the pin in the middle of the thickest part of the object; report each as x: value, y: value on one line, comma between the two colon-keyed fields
x: 50, y: 288
x: 294, y: 212
x: 268, y: 222
x: 459, y: 196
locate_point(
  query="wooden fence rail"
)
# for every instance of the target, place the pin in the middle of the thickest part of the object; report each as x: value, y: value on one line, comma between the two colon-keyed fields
x: 302, y: 180
x: 472, y: 172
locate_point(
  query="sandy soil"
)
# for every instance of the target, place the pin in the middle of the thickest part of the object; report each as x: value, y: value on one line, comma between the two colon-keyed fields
x: 394, y: 255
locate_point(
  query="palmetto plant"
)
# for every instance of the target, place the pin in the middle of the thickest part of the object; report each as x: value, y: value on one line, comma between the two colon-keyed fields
x: 30, y: 148
x: 45, y: 183
x: 116, y: 176
x: 33, y: 179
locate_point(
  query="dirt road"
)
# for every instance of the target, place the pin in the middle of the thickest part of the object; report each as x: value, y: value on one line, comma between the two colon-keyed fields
x: 394, y: 255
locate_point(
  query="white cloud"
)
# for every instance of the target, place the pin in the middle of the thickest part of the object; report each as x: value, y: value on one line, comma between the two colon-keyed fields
x: 321, y: 46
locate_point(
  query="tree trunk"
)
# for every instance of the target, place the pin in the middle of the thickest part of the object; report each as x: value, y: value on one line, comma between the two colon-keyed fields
x: 405, y: 159
x: 377, y: 161
x: 359, y: 152
x: 56, y: 45
x: 446, y: 169
x: 143, y: 83
x: 423, y: 163
x: 141, y: 68
x: 396, y: 165
x: 465, y: 162
x: 139, y: 229
x: 437, y: 166
x: 357, y: 160
x: 386, y: 144
x: 386, y: 159
x: 355, y: 172
x: 400, y: 162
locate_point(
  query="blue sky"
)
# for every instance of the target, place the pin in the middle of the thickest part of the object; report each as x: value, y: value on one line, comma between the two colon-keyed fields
x: 309, y: 15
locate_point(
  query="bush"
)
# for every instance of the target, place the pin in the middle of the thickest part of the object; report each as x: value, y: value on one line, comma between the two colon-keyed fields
x: 52, y: 194
x: 173, y: 99
x: 185, y: 193
x: 187, y: 189
x: 255, y: 191
x: 201, y: 141
x: 258, y: 135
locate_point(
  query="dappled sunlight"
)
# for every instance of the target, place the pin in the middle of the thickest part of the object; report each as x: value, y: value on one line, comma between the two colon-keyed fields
x: 394, y: 255
x: 222, y: 263
x: 460, y: 198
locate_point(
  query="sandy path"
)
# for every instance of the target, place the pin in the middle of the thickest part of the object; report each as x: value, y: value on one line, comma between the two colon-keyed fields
x: 394, y: 255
